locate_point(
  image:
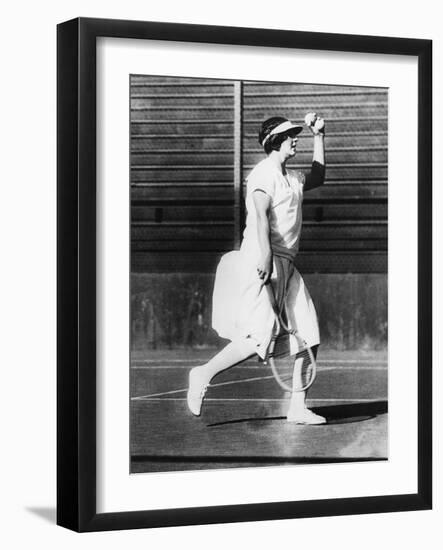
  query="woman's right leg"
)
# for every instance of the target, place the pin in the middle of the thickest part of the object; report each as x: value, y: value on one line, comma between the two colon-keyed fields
x: 200, y: 377
x: 298, y: 412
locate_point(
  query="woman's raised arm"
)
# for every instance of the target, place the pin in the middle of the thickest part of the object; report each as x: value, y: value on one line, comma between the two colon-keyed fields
x: 316, y: 177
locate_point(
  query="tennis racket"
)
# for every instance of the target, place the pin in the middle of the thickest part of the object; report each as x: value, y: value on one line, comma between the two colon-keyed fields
x: 290, y: 358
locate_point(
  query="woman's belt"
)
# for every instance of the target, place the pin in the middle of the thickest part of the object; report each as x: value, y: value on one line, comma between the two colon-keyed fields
x: 284, y: 266
x: 283, y: 252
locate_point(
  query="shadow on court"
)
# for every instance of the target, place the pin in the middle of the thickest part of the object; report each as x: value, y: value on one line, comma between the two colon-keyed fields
x: 338, y: 414
x: 243, y: 421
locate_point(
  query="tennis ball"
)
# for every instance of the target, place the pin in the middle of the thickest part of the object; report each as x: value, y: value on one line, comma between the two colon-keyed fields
x: 310, y: 119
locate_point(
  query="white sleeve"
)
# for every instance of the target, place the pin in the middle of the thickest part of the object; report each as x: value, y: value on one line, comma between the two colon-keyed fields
x: 261, y: 180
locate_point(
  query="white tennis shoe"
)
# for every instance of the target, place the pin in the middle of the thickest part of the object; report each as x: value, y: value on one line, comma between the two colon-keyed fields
x: 198, y: 385
x: 305, y: 416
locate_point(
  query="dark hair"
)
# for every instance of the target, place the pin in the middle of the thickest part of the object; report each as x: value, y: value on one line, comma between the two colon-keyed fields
x: 273, y: 143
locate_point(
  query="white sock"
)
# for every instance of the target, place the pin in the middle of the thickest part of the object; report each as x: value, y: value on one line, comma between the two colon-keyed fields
x: 298, y: 398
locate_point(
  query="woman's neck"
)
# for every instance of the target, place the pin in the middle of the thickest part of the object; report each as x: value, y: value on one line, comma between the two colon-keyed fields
x: 277, y: 160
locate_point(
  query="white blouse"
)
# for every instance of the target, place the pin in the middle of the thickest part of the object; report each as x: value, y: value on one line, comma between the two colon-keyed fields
x: 241, y: 306
x: 285, y: 216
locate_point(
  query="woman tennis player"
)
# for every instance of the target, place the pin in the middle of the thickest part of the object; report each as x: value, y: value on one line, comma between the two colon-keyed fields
x: 242, y: 310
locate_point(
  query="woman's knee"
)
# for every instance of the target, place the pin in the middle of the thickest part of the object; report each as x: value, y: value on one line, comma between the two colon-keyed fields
x: 246, y: 346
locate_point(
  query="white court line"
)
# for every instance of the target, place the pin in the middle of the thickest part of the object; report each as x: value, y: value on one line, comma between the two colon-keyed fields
x: 359, y: 361
x: 259, y: 399
x: 233, y: 382
x: 320, y: 367
x: 228, y: 383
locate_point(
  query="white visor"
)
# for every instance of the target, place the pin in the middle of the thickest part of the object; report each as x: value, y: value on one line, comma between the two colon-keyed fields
x: 283, y: 127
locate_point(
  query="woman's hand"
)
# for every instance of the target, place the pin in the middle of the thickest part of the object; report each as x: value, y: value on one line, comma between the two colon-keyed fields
x: 315, y: 124
x: 264, y: 268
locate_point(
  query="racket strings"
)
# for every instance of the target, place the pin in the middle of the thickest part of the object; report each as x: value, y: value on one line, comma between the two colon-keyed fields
x: 291, y: 360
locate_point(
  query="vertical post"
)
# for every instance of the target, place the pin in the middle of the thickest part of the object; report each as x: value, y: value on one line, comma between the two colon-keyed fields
x: 238, y: 166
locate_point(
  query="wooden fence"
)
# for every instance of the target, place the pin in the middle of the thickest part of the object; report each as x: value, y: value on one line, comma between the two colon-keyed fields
x: 193, y: 141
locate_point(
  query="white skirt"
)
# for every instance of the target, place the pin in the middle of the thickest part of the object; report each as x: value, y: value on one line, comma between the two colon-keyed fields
x: 241, y: 306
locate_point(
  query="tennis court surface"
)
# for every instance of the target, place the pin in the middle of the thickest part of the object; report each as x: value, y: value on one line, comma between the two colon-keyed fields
x: 243, y: 420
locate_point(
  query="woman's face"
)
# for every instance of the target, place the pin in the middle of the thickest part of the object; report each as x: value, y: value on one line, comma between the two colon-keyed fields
x: 289, y: 146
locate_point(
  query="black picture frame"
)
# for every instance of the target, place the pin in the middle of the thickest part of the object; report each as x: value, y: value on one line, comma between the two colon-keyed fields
x: 77, y: 249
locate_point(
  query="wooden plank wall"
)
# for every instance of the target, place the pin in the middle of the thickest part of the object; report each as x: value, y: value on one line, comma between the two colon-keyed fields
x: 184, y: 161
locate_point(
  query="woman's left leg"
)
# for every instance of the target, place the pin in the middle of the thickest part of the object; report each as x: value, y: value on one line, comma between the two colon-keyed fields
x: 200, y: 377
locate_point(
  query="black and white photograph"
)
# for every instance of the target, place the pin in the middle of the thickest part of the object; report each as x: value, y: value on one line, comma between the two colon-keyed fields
x: 259, y: 280
x: 222, y: 314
